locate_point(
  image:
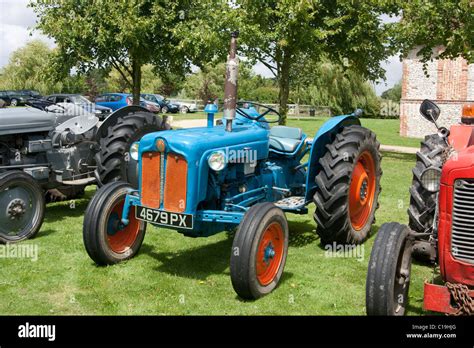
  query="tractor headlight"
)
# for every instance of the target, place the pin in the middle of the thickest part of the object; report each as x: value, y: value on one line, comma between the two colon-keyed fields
x: 217, y: 161
x: 134, y: 151
x: 430, y: 179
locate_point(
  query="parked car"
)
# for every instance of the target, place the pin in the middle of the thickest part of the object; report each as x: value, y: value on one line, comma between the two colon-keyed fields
x: 31, y: 93
x: 165, y: 104
x: 185, y: 107
x: 116, y: 101
x: 100, y: 111
x: 13, y: 98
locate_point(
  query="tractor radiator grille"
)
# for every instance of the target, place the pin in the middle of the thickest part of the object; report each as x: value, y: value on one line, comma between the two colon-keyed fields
x: 462, y: 236
x: 164, y: 180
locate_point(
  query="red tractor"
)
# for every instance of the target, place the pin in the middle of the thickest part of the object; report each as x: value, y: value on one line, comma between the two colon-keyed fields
x: 441, y: 226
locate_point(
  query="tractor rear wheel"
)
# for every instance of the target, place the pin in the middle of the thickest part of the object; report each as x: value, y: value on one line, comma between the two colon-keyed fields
x: 112, y: 158
x: 423, y: 202
x: 348, y: 187
x: 388, y: 276
x: 259, y: 251
x: 22, y: 206
x: 106, y: 239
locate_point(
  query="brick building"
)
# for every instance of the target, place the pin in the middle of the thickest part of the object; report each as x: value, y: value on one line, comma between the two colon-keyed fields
x: 450, y: 84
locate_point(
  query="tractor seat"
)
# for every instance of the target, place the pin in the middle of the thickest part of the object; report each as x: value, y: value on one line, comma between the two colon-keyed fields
x: 285, y: 139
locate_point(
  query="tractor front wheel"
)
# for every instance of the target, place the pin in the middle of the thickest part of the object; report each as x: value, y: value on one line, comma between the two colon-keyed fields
x: 22, y: 206
x: 259, y: 251
x: 388, y: 276
x: 106, y: 239
x: 348, y: 187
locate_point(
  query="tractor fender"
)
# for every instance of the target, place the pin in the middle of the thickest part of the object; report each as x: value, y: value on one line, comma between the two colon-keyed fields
x: 111, y: 120
x: 323, y: 137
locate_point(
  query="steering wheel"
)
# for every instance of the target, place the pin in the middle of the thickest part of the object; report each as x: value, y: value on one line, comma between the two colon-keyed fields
x: 260, y: 117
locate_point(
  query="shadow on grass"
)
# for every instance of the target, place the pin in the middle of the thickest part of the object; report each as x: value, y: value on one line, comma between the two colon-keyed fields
x: 197, y: 263
x: 66, y: 209
x: 44, y: 233
x: 301, y: 233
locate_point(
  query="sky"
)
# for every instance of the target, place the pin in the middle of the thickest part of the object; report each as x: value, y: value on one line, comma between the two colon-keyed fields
x: 17, y: 21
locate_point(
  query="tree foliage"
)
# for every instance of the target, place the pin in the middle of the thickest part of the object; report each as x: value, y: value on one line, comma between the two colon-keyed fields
x: 28, y: 68
x: 278, y: 32
x: 123, y: 35
x: 394, y: 93
x: 325, y: 83
x: 433, y: 23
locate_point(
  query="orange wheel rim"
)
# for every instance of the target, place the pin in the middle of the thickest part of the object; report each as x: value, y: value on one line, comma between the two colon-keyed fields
x: 362, y: 190
x: 269, y: 253
x: 121, y: 238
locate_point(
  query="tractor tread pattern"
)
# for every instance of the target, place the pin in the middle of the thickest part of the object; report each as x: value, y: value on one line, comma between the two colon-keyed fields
x: 333, y: 181
x: 116, y: 143
x: 423, y: 202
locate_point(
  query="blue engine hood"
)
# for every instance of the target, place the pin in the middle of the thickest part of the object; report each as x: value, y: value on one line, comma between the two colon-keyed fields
x: 194, y: 142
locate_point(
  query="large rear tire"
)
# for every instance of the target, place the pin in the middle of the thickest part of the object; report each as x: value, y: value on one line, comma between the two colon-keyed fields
x: 259, y: 251
x: 112, y: 158
x: 22, y: 206
x: 348, y: 187
x: 423, y: 202
x: 388, y: 276
x: 106, y: 240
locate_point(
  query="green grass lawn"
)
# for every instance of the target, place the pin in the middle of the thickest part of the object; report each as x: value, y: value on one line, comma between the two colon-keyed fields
x: 388, y: 130
x: 177, y: 275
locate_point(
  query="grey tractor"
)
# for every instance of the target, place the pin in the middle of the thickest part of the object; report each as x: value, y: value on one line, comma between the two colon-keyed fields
x: 54, y: 152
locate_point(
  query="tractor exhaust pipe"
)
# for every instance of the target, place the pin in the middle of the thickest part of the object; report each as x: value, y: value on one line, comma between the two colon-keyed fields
x: 230, y: 87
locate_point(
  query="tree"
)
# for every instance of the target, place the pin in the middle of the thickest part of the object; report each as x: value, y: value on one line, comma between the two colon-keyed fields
x: 207, y: 83
x: 278, y: 32
x: 28, y: 68
x: 325, y: 83
x: 394, y: 93
x: 123, y: 35
x: 430, y: 24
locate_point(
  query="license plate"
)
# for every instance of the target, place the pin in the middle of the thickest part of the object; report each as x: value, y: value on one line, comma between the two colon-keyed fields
x: 164, y: 218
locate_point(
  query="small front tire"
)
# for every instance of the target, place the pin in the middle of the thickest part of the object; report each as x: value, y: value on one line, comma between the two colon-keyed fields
x: 106, y: 240
x: 388, y: 276
x: 259, y: 251
x: 22, y: 206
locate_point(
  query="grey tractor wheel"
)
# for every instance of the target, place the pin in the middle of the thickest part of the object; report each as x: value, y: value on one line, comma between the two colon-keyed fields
x: 106, y: 239
x: 112, y: 159
x: 22, y: 206
x: 14, y: 102
x: 388, y: 276
x: 259, y: 251
x: 348, y: 187
x: 422, y: 202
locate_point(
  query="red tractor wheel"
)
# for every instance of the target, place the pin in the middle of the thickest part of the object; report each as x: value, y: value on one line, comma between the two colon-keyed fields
x: 259, y: 251
x: 106, y: 239
x: 388, y: 276
x: 348, y: 187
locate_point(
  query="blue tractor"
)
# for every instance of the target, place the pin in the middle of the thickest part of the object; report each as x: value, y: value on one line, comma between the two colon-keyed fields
x: 246, y: 175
